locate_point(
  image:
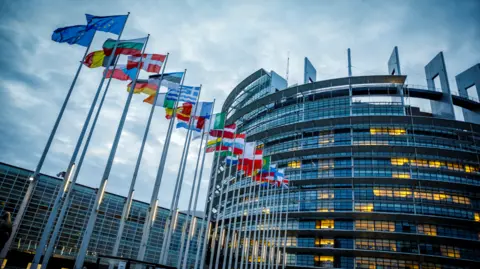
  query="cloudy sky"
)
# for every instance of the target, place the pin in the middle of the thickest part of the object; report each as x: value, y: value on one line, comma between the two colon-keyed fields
x: 220, y: 43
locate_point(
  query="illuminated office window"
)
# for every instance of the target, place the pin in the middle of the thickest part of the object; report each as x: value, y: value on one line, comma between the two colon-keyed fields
x: 326, y: 242
x: 326, y: 194
x: 401, y: 193
x: 326, y: 258
x: 295, y: 164
x: 389, y: 131
x: 471, y: 169
x: 364, y: 225
x: 450, y: 251
x: 399, y: 161
x: 400, y: 175
x: 364, y: 207
x: 427, y: 229
x: 325, y: 224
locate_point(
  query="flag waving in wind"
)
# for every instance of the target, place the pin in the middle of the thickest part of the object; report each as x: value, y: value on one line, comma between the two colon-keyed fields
x: 97, y: 59
x: 110, y: 24
x: 189, y: 93
x: 77, y: 34
x: 174, y: 77
x: 125, y: 47
x: 151, y: 62
x: 121, y: 72
x: 202, y: 112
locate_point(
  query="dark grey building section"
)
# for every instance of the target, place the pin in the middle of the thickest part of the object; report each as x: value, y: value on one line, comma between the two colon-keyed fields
x: 465, y: 80
x: 394, y: 63
x: 436, y: 67
x: 309, y: 72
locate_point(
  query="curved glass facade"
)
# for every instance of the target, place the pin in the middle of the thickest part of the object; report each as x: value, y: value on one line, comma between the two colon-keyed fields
x: 375, y: 182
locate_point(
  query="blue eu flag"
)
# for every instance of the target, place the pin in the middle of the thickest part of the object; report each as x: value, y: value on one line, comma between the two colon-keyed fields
x: 110, y: 24
x: 77, y: 34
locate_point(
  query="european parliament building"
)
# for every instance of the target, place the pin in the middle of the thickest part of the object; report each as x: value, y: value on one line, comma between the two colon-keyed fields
x: 13, y: 185
x: 376, y: 181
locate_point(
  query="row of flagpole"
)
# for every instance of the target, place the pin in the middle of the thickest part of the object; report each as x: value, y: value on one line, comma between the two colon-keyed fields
x: 258, y: 202
x: 256, y: 225
x: 77, y: 35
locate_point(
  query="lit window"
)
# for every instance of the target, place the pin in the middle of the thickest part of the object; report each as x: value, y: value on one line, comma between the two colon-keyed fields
x: 364, y: 207
x: 399, y: 161
x: 389, y: 131
x: 450, y: 251
x: 400, y: 175
x: 326, y: 242
x: 387, y: 226
x: 477, y: 216
x: 427, y: 229
x: 471, y: 169
x: 295, y: 164
x: 327, y: 224
x: 364, y: 225
x: 326, y: 258
x: 325, y: 194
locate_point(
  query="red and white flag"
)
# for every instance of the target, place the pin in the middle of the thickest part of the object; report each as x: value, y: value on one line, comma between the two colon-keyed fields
x: 252, y: 158
x: 227, y: 132
x: 151, y: 62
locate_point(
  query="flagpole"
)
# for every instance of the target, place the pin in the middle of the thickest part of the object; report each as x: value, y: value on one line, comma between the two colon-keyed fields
x: 220, y: 216
x: 273, y: 221
x: 268, y: 234
x: 217, y: 259
x: 207, y: 217
x: 214, y: 234
x: 217, y: 219
x: 170, y: 220
x: 256, y: 225
x: 129, y: 200
x: 276, y: 232
x: 249, y: 216
x: 152, y: 209
x: 190, y: 234
x: 229, y: 228
x: 69, y: 188
x: 103, y: 183
x: 246, y: 245
x: 241, y: 221
x: 61, y: 193
x: 206, y: 224
x: 273, y: 233
x: 34, y: 178
x: 179, y: 183
x: 230, y: 256
x: 266, y: 220
x: 189, y: 216
x: 182, y: 244
x: 286, y: 221
x: 255, y: 242
x: 251, y: 213
x: 261, y: 232
x: 213, y: 237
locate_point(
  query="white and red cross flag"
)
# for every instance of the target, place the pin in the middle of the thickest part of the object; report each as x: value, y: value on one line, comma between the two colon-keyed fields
x: 151, y: 62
